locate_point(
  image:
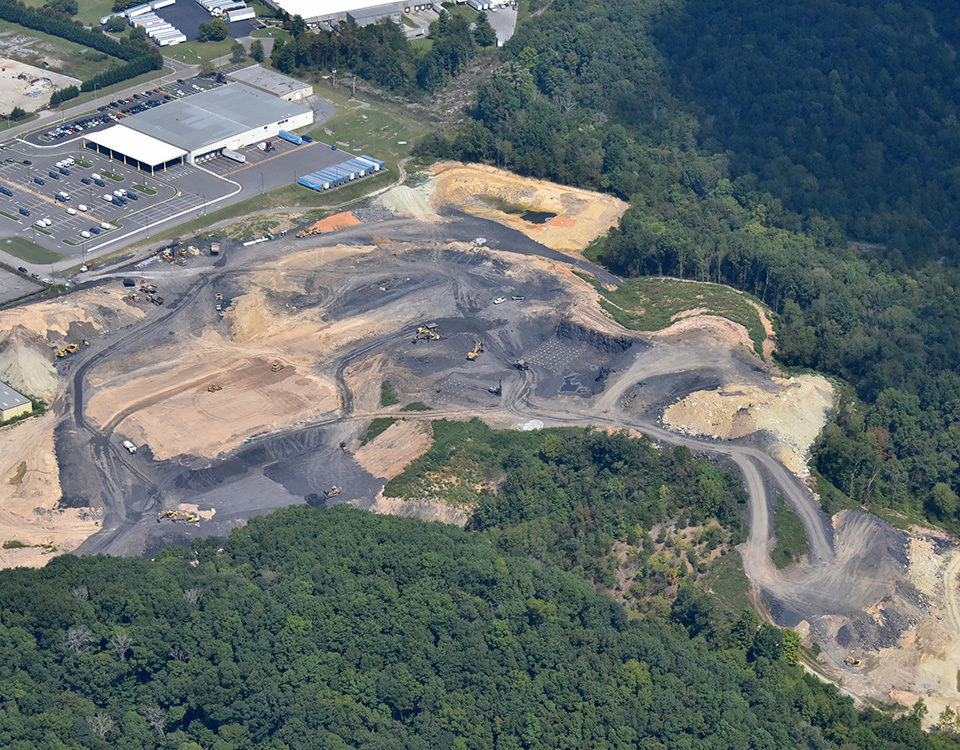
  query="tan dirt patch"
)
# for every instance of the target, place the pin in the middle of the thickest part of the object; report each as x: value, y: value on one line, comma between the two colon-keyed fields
x: 29, y: 511
x: 387, y: 455
x: 581, y: 215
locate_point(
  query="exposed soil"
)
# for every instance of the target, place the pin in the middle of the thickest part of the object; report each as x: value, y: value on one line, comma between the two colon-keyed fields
x: 576, y: 217
x: 393, y: 449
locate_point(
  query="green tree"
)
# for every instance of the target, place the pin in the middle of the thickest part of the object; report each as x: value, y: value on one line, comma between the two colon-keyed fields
x: 212, y: 31
x: 483, y: 33
x: 18, y: 113
x: 115, y: 24
x: 256, y: 50
x: 238, y: 53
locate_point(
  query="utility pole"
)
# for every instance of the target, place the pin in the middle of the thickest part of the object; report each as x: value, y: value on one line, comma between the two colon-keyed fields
x: 334, y: 77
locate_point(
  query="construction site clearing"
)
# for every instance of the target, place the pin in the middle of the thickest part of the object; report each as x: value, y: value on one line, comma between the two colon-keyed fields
x: 253, y: 385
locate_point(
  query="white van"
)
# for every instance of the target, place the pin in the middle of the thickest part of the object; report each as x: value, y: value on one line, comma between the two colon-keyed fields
x: 95, y: 176
x: 105, y: 225
x: 72, y: 211
x: 108, y: 198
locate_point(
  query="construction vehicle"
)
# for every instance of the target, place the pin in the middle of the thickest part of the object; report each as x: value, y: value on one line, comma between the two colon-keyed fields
x: 333, y: 491
x: 131, y: 448
x: 213, y: 388
x: 276, y: 366
x: 315, y: 228
x: 851, y: 661
x: 133, y: 297
x: 218, y: 297
x: 427, y: 333
x: 147, y: 288
x: 84, y: 342
x: 477, y: 350
x: 496, y: 390
x: 178, y: 515
x: 521, y: 364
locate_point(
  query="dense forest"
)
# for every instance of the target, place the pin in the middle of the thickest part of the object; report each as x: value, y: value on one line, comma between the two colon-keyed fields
x: 604, y: 95
x: 334, y: 628
x: 382, y: 54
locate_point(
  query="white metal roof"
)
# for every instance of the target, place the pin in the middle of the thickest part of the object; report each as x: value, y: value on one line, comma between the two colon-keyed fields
x: 308, y: 9
x: 10, y: 398
x: 140, y: 146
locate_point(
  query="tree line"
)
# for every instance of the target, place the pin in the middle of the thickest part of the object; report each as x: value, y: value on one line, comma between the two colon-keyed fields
x: 584, y: 97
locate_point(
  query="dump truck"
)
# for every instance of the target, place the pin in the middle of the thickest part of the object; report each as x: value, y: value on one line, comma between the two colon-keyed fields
x: 477, y: 350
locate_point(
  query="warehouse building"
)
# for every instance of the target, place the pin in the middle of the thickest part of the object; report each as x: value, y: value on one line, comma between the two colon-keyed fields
x: 227, y: 117
x: 287, y: 88
x: 13, y: 404
x: 315, y: 11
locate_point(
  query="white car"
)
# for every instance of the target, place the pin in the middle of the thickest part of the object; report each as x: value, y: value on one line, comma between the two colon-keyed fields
x: 72, y: 211
x: 499, y: 300
x: 108, y: 198
x: 85, y: 234
x: 82, y: 207
x: 46, y: 222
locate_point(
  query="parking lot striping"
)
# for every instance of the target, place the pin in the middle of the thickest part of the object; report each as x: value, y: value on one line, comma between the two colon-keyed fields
x: 41, y: 196
x: 269, y: 158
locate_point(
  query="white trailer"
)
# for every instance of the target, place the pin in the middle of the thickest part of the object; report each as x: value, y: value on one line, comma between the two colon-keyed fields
x: 234, y: 155
x: 241, y: 15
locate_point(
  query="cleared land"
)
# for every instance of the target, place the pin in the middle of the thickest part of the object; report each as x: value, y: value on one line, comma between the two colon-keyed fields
x: 28, y: 87
x: 42, y: 50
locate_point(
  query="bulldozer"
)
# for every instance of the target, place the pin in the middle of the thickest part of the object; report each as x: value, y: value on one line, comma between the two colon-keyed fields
x: 213, y: 388
x: 521, y: 364
x: 496, y: 390
x: 333, y: 491
x: 276, y: 366
x: 477, y: 350
x: 85, y: 343
x: 851, y: 661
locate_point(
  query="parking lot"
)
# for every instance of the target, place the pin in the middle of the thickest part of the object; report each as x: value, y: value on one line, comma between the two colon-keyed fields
x: 90, y: 214
x: 119, y: 109
x: 13, y: 286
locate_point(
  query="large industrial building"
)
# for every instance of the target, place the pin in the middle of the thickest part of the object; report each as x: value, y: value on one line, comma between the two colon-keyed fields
x: 13, y: 404
x: 227, y: 117
x: 358, y: 11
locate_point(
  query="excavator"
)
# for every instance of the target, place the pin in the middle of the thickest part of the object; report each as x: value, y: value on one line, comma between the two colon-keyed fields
x: 477, y: 350
x: 427, y: 333
x: 521, y: 364
x: 851, y: 661
x: 178, y: 515
x: 276, y: 366
x: 213, y: 388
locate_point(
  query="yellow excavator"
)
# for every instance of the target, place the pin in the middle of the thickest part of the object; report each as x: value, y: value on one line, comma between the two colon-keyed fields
x: 213, y: 388
x: 851, y: 661
x: 427, y: 333
x: 276, y: 366
x: 178, y: 515
x: 477, y: 350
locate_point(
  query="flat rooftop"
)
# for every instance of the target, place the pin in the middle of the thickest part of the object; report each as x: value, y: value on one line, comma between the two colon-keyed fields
x: 268, y: 80
x: 309, y: 9
x: 214, y: 115
x: 10, y: 398
x: 142, y: 147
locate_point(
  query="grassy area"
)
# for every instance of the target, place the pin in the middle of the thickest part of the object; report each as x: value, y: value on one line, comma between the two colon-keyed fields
x: 377, y: 426
x: 421, y: 44
x: 388, y: 396
x: 194, y: 53
x: 272, y: 34
x: 463, y: 11
x: 728, y: 582
x: 415, y: 406
x: 523, y: 12
x: 89, y: 12
x: 83, y: 163
x: 27, y: 250
x: 379, y: 129
x: 791, y: 543
x: 111, y: 175
x: 649, y: 304
x: 455, y: 468
x: 248, y: 230
x: 72, y: 59
x: 407, y: 21
x: 5, y: 123
x: 9, y: 216
x: 145, y: 189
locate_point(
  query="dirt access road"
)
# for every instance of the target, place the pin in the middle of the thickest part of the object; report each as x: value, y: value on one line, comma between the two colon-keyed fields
x: 342, y: 309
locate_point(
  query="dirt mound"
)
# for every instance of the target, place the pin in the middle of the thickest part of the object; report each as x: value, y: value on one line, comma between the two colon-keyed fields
x: 29, y: 492
x: 392, y: 450
x: 793, y: 410
x: 425, y: 510
x: 560, y: 217
x: 409, y: 201
x: 25, y: 365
